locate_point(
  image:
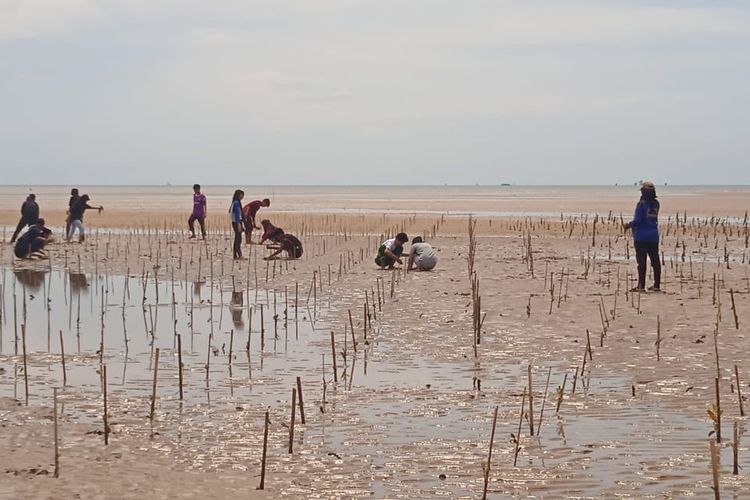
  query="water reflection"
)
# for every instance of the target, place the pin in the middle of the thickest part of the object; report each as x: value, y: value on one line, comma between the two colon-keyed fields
x: 78, y: 281
x: 30, y: 278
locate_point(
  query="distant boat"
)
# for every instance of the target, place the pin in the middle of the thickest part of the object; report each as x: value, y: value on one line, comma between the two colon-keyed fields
x: 505, y: 184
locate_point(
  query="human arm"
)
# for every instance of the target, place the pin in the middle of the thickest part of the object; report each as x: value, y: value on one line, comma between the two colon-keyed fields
x: 638, y: 217
x: 393, y: 256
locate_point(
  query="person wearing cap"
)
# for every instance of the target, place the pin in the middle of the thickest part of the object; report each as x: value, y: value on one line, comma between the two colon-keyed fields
x: 31, y: 243
x: 29, y: 215
x: 645, y: 226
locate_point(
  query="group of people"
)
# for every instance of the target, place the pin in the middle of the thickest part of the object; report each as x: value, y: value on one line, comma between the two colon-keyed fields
x: 421, y: 256
x: 243, y: 219
x: 645, y: 227
x: 31, y: 243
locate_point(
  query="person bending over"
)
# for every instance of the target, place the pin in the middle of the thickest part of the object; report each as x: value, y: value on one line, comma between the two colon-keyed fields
x: 199, y: 212
x: 76, y: 217
x: 286, y: 243
x: 270, y: 232
x: 31, y: 243
x: 389, y: 252
x: 645, y: 226
x: 422, y: 256
x: 249, y: 212
x: 29, y: 215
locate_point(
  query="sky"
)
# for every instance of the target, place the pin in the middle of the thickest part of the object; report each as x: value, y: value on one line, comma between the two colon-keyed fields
x: 320, y: 92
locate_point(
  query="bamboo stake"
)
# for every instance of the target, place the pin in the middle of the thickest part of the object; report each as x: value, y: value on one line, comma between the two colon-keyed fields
x: 25, y: 371
x: 718, y: 411
x: 301, y: 402
x: 333, y: 354
x: 544, y: 402
x: 153, y: 389
x: 106, y: 416
x: 291, y: 422
x: 561, y: 393
x: 62, y: 355
x: 531, y: 404
x: 57, y: 440
x: 489, y: 456
x: 265, y: 449
x: 520, y: 422
x: 715, y: 469
x: 179, y: 362
x: 739, y: 390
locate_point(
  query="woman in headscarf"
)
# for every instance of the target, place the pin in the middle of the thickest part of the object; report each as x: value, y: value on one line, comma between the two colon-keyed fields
x: 645, y: 226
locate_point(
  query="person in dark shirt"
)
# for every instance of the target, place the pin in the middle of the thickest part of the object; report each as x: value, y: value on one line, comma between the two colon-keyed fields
x: 76, y: 217
x: 249, y: 212
x: 29, y: 215
x: 286, y: 243
x: 645, y: 226
x: 74, y: 197
x: 32, y: 242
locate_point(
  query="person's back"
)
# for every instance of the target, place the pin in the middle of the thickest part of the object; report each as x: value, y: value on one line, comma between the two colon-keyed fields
x: 646, y: 221
x: 422, y: 255
x: 30, y: 210
x: 292, y: 246
x: 78, y: 208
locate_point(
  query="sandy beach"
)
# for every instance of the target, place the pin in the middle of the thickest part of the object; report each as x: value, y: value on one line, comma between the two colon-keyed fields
x: 620, y: 382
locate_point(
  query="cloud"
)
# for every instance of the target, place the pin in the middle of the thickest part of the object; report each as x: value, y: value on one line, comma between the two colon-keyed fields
x: 20, y: 19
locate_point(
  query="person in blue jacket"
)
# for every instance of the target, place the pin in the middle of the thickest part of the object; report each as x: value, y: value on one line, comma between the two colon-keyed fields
x: 236, y: 212
x: 645, y: 226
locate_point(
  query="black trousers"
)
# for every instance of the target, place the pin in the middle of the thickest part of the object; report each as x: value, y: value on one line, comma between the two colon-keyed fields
x: 237, y: 247
x: 201, y: 221
x: 650, y: 249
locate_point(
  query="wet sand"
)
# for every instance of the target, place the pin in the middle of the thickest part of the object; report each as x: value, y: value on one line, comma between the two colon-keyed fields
x: 411, y: 412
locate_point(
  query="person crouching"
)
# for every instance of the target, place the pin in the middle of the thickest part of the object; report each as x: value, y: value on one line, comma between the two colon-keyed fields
x: 32, y: 242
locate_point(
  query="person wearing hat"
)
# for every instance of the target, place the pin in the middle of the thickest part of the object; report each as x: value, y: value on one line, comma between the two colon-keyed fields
x: 645, y: 226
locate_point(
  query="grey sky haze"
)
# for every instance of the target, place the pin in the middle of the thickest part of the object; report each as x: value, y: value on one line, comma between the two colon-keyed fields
x: 374, y: 92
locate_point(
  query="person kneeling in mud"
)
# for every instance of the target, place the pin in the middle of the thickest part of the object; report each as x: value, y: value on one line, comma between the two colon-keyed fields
x: 422, y: 256
x: 389, y: 252
x: 31, y: 243
x: 286, y: 243
x: 270, y: 232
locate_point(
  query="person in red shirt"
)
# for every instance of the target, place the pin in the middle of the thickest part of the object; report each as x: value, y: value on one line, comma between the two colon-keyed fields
x: 249, y: 212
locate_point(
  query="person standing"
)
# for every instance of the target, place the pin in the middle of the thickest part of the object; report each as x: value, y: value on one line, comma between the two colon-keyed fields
x: 29, y: 215
x: 199, y: 212
x: 235, y: 210
x: 645, y: 226
x: 249, y: 212
x: 76, y: 217
x: 72, y: 201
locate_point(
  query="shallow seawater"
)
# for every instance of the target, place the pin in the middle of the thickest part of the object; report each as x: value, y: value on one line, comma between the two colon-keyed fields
x: 399, y: 423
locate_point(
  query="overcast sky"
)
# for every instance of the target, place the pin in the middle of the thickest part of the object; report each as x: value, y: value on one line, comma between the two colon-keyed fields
x: 374, y: 92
